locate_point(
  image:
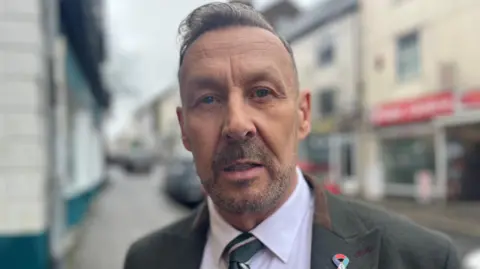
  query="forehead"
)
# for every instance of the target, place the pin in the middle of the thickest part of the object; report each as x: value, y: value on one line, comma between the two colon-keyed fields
x: 236, y: 49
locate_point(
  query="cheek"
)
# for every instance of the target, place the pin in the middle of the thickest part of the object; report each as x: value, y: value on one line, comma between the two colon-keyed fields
x: 278, y: 130
x: 202, y: 134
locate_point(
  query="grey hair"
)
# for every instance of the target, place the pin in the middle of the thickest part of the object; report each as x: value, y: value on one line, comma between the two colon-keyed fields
x: 218, y: 15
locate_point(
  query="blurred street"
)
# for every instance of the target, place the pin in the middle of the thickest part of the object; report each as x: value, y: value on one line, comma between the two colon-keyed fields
x: 131, y: 207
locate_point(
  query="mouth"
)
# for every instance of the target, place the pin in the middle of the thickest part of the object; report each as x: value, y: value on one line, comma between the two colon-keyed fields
x: 242, y: 170
x: 241, y: 166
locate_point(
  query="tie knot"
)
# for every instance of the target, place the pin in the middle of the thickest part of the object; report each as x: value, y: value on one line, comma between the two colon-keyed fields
x: 242, y: 248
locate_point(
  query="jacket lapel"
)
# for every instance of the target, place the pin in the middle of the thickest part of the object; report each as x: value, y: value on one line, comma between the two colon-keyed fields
x: 338, y: 230
x: 187, y: 250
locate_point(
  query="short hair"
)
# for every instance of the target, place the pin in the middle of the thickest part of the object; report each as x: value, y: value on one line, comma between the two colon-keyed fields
x: 218, y: 15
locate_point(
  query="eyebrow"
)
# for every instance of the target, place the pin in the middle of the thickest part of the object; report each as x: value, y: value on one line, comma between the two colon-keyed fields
x: 269, y: 74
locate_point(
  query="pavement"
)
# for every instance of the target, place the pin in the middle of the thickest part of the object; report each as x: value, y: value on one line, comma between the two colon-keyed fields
x: 455, y: 217
x: 128, y: 209
x: 133, y: 206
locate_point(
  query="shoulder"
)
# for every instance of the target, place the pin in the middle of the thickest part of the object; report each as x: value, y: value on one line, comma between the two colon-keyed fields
x: 401, y: 236
x: 143, y: 253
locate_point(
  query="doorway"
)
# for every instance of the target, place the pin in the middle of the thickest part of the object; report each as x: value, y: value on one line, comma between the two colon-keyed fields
x: 463, y: 162
x: 344, y: 162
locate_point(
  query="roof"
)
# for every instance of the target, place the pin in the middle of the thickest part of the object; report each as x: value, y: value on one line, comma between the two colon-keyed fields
x: 279, y: 10
x: 274, y: 4
x: 319, y: 15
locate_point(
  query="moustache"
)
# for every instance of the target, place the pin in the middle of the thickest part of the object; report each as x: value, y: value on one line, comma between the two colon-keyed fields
x: 253, y: 150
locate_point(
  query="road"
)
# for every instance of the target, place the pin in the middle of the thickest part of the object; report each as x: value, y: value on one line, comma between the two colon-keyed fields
x: 132, y: 207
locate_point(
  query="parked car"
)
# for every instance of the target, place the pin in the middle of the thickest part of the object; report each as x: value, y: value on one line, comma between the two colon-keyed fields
x: 182, y: 183
x: 139, y: 161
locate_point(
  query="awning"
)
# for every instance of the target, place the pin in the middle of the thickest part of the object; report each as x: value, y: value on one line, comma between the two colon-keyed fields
x: 86, y: 40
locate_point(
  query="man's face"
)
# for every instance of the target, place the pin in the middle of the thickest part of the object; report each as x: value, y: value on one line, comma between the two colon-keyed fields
x: 242, y: 117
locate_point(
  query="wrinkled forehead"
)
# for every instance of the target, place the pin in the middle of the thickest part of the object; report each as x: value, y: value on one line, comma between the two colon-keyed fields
x: 237, y: 49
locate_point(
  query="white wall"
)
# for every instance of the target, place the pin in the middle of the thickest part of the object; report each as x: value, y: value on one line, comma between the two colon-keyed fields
x: 22, y: 125
x: 169, y: 126
x: 145, y: 127
x: 448, y: 33
x: 169, y: 122
x: 343, y: 73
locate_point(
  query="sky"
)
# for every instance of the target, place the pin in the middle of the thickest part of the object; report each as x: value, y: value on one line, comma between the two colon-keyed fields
x: 142, y: 49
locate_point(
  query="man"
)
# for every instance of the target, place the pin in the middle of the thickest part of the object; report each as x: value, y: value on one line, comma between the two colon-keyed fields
x: 242, y: 117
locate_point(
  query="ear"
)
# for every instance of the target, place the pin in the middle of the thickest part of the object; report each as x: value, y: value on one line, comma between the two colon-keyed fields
x: 304, y: 114
x: 181, y: 122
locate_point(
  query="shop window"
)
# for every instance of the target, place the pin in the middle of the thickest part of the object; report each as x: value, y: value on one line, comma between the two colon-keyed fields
x: 326, y: 102
x: 318, y: 149
x: 403, y: 158
x: 303, y: 151
x: 408, y: 56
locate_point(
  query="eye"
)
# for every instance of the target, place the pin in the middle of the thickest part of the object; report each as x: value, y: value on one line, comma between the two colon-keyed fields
x: 207, y: 100
x: 261, y: 92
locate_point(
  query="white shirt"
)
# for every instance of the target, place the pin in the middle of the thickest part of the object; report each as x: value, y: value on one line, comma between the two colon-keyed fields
x: 286, y: 234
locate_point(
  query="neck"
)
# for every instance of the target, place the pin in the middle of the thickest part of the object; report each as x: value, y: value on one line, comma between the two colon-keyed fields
x: 247, y: 221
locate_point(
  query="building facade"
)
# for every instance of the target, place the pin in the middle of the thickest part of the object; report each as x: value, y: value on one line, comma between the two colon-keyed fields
x: 422, y: 92
x: 325, y: 42
x: 52, y: 103
x: 168, y: 130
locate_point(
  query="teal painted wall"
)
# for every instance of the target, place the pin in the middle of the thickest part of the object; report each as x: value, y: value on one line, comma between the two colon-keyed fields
x: 78, y: 206
x: 31, y: 251
x: 24, y: 251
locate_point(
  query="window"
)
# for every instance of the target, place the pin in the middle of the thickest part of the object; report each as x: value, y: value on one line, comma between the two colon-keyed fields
x: 327, y: 102
x: 318, y: 148
x: 326, y: 52
x: 404, y: 157
x: 408, y: 56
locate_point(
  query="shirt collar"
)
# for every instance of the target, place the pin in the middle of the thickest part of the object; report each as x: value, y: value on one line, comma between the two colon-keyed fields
x: 277, y: 232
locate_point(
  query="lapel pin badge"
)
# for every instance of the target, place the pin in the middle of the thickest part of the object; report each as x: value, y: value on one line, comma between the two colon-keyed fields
x: 341, y: 261
x: 244, y: 266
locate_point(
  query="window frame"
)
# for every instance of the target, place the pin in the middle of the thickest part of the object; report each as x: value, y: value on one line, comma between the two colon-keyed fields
x: 408, y: 56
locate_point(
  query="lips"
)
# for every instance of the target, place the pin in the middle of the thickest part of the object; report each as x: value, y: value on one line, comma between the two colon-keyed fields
x: 241, y: 166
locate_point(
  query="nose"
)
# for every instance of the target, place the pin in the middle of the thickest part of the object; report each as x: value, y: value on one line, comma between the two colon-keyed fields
x: 238, y: 124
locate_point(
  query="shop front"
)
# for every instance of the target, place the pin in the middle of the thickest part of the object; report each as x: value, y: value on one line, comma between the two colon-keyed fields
x: 405, y: 152
x: 330, y: 154
x: 413, y: 139
x: 459, y: 150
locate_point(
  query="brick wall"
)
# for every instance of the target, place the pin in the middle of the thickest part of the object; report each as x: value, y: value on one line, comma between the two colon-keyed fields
x: 22, y: 126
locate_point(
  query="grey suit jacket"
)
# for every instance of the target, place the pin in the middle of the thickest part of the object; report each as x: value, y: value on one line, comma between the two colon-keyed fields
x: 370, y: 237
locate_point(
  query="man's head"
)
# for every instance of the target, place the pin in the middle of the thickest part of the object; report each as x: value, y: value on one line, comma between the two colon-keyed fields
x: 242, y: 114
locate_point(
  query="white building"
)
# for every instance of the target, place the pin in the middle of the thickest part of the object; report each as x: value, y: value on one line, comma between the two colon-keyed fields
x: 325, y: 42
x: 168, y: 128
x: 51, y: 157
x: 422, y: 88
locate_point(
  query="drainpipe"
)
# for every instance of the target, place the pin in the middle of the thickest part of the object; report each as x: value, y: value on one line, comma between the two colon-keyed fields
x: 53, y: 190
x: 361, y: 162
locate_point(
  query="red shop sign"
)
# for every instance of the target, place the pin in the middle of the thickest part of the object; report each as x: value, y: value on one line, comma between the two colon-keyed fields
x: 471, y: 99
x: 414, y: 110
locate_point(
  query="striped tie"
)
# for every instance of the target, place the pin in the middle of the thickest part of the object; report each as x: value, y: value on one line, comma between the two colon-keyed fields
x: 241, y: 249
